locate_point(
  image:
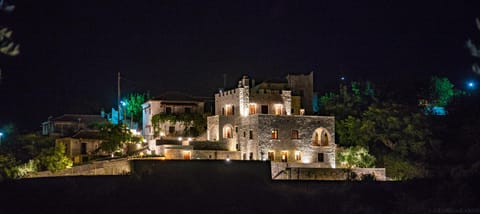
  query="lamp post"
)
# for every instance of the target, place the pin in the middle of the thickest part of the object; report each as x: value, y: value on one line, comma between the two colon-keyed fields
x: 124, y: 108
x: 1, y: 135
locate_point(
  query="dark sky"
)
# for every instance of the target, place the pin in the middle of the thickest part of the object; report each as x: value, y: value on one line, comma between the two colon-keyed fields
x: 72, y: 50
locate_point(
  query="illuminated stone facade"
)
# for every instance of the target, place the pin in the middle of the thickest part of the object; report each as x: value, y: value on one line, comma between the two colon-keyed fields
x: 168, y: 103
x: 258, y: 122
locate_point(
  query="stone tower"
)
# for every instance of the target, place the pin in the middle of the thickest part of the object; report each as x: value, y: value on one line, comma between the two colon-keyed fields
x: 302, y: 85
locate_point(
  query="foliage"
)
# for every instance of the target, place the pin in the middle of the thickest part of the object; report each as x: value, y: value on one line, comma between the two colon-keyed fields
x: 399, y: 168
x: 378, y: 124
x: 114, y: 137
x: 195, y: 120
x: 53, y: 159
x: 356, y: 156
x: 7, y: 46
x: 441, y: 91
x: 7, y: 166
x: 24, y: 169
x: 134, y: 103
x: 349, y: 101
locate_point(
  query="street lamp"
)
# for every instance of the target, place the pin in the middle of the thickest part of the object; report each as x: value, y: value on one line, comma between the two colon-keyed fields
x: 124, y: 104
x: 1, y: 135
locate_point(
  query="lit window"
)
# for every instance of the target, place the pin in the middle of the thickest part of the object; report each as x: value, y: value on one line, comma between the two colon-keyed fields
x: 187, y: 155
x: 252, y: 108
x: 298, y: 155
x: 275, y: 134
x: 295, y: 134
x: 277, y: 109
x: 284, y: 156
x: 302, y: 111
x: 229, y: 110
x: 271, y: 156
x: 227, y: 132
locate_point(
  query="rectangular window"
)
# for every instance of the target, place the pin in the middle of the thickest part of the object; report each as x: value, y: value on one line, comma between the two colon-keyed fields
x: 320, y: 157
x: 83, y: 148
x: 237, y: 146
x: 236, y: 129
x: 250, y: 156
x: 250, y: 135
x: 171, y: 129
x: 168, y: 110
x: 188, y: 110
x: 284, y: 156
x: 229, y: 110
x: 271, y: 156
x: 277, y: 109
x: 274, y: 133
x: 244, y: 134
x: 227, y: 132
x: 186, y: 155
x: 252, y: 109
x: 295, y: 134
x: 264, y: 109
x: 298, y: 156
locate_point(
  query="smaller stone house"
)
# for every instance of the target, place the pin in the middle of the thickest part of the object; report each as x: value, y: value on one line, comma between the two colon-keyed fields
x: 82, y: 146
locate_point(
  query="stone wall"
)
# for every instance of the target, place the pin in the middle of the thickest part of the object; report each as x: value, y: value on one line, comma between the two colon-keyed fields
x: 306, y: 127
x: 106, y: 167
x: 289, y: 171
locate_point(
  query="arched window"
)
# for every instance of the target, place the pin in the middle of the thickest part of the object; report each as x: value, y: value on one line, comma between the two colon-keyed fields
x: 227, y: 131
x: 324, y: 140
x: 316, y: 140
x: 320, y: 137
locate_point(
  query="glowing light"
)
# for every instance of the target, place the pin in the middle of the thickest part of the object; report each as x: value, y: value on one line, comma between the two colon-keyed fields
x: 123, y: 103
x: 342, y: 78
x: 180, y: 139
x: 471, y: 84
x: 228, y: 159
x: 189, y: 139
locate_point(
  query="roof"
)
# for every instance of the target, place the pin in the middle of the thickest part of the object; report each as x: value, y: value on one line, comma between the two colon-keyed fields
x: 176, y: 96
x: 271, y: 85
x: 84, y: 118
x: 87, y: 134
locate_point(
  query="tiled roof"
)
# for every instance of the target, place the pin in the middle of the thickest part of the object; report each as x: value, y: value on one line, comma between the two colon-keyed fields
x: 176, y: 96
x: 83, y: 118
x: 87, y: 134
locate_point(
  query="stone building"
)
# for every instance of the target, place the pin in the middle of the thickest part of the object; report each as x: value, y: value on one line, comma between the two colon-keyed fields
x: 258, y: 122
x: 69, y: 124
x: 173, y: 104
x: 82, y: 146
x: 168, y: 103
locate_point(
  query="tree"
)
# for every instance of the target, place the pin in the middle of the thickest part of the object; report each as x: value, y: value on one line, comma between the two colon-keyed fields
x: 442, y: 91
x: 7, y: 45
x: 53, y: 159
x: 356, y: 156
x: 378, y: 124
x: 133, y: 104
x: 114, y: 137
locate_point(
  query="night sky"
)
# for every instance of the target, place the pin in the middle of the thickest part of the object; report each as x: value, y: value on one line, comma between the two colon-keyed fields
x: 71, y: 51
